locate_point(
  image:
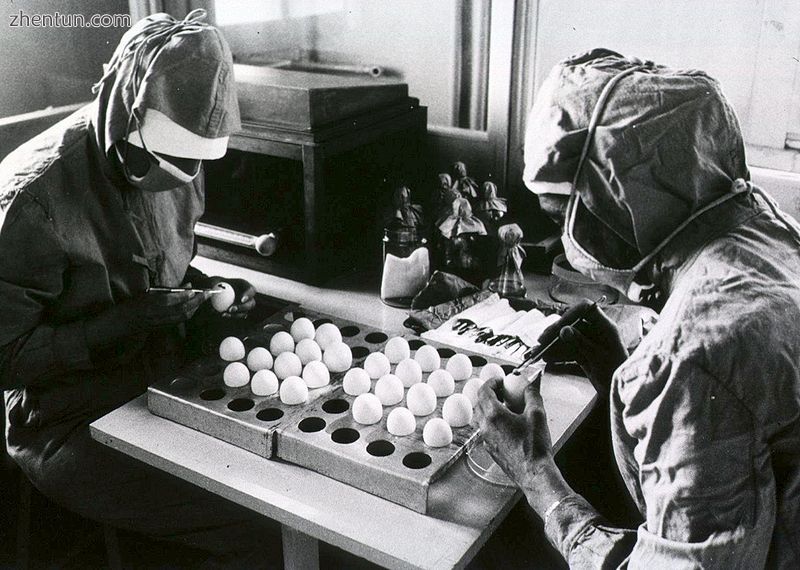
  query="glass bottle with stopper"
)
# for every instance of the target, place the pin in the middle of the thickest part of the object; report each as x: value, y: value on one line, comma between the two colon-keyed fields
x: 490, y: 208
x: 460, y: 236
x: 510, y: 281
x: 462, y: 183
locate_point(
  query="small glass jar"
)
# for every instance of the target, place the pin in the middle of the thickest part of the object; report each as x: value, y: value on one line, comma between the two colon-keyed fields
x: 406, y: 265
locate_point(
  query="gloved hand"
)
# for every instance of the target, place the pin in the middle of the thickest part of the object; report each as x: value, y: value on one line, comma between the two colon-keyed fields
x: 245, y: 299
x: 519, y: 443
x: 594, y: 343
x: 154, y: 310
x: 141, y: 314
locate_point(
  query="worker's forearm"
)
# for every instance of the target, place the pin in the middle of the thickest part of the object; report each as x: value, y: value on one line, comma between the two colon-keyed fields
x: 545, y: 487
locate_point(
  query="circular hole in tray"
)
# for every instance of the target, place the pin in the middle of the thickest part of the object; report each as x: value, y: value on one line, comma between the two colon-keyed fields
x: 416, y: 344
x: 360, y: 352
x: 210, y: 368
x: 212, y: 394
x: 376, y: 337
x: 251, y: 342
x: 380, y: 448
x: 336, y: 406
x: 507, y: 368
x: 345, y: 435
x: 446, y: 352
x: 311, y: 425
x: 319, y: 322
x: 270, y: 414
x: 350, y: 331
x: 183, y: 383
x: 477, y: 360
x: 417, y: 460
x: 241, y: 404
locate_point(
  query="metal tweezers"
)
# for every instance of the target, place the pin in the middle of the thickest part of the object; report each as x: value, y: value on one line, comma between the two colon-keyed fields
x: 180, y: 290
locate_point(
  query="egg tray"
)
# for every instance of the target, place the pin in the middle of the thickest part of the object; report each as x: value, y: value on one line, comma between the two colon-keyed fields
x: 321, y: 434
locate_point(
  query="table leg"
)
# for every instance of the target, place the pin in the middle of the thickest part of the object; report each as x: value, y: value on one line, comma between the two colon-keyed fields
x: 313, y: 198
x: 300, y: 551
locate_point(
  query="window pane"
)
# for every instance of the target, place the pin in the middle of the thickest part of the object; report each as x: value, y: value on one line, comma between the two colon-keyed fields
x: 440, y: 49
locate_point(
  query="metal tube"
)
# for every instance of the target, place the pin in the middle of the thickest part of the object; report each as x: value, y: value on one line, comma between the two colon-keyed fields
x: 264, y: 244
x: 372, y: 70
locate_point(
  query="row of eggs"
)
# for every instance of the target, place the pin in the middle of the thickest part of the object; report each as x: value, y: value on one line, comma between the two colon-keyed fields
x: 304, y: 358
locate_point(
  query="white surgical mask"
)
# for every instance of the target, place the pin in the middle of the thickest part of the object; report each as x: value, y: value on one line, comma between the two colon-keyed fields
x: 624, y: 279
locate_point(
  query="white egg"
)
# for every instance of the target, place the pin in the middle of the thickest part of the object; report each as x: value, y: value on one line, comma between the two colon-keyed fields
x: 307, y: 350
x: 514, y: 391
x: 231, y: 348
x: 264, y: 383
x: 236, y: 374
x: 401, y: 421
x: 442, y: 383
x: 492, y: 371
x: 287, y: 364
x: 377, y: 365
x: 327, y: 335
x: 316, y: 374
x: 222, y: 301
x: 460, y: 366
x: 356, y: 382
x: 457, y: 410
x: 294, y: 391
x: 409, y: 371
x: 428, y: 358
x: 421, y: 400
x: 437, y: 433
x: 389, y: 389
x: 338, y: 357
x: 301, y: 329
x: 281, y: 342
x: 471, y: 389
x: 367, y: 409
x: 397, y: 349
x: 259, y: 359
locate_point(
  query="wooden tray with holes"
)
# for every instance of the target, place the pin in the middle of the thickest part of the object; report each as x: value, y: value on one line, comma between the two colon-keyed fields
x: 321, y: 434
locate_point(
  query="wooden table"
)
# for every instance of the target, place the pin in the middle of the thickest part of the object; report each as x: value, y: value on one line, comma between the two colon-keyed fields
x: 311, y: 507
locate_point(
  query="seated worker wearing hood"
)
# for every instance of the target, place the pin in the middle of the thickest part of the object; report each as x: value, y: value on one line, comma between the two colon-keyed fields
x: 646, y: 167
x: 93, y: 212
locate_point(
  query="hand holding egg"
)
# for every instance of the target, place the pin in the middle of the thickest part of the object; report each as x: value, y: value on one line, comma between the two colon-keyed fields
x: 519, y: 443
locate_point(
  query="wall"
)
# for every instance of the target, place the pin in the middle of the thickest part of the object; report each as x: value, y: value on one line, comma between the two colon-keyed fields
x: 43, y: 67
x: 751, y: 46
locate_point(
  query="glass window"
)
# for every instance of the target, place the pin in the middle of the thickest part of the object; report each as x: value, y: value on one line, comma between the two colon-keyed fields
x: 440, y: 49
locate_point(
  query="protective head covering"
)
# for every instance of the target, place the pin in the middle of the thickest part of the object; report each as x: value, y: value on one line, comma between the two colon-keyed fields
x: 168, y: 89
x: 647, y: 149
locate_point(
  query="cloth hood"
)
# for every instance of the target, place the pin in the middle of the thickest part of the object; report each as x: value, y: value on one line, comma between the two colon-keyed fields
x: 667, y: 143
x: 190, y: 81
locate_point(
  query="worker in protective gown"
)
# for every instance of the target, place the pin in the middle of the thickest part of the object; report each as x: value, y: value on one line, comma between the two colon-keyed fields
x: 93, y: 212
x: 645, y: 166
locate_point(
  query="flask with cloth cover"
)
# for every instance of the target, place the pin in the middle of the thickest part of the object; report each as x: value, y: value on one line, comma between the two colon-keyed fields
x: 406, y: 262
